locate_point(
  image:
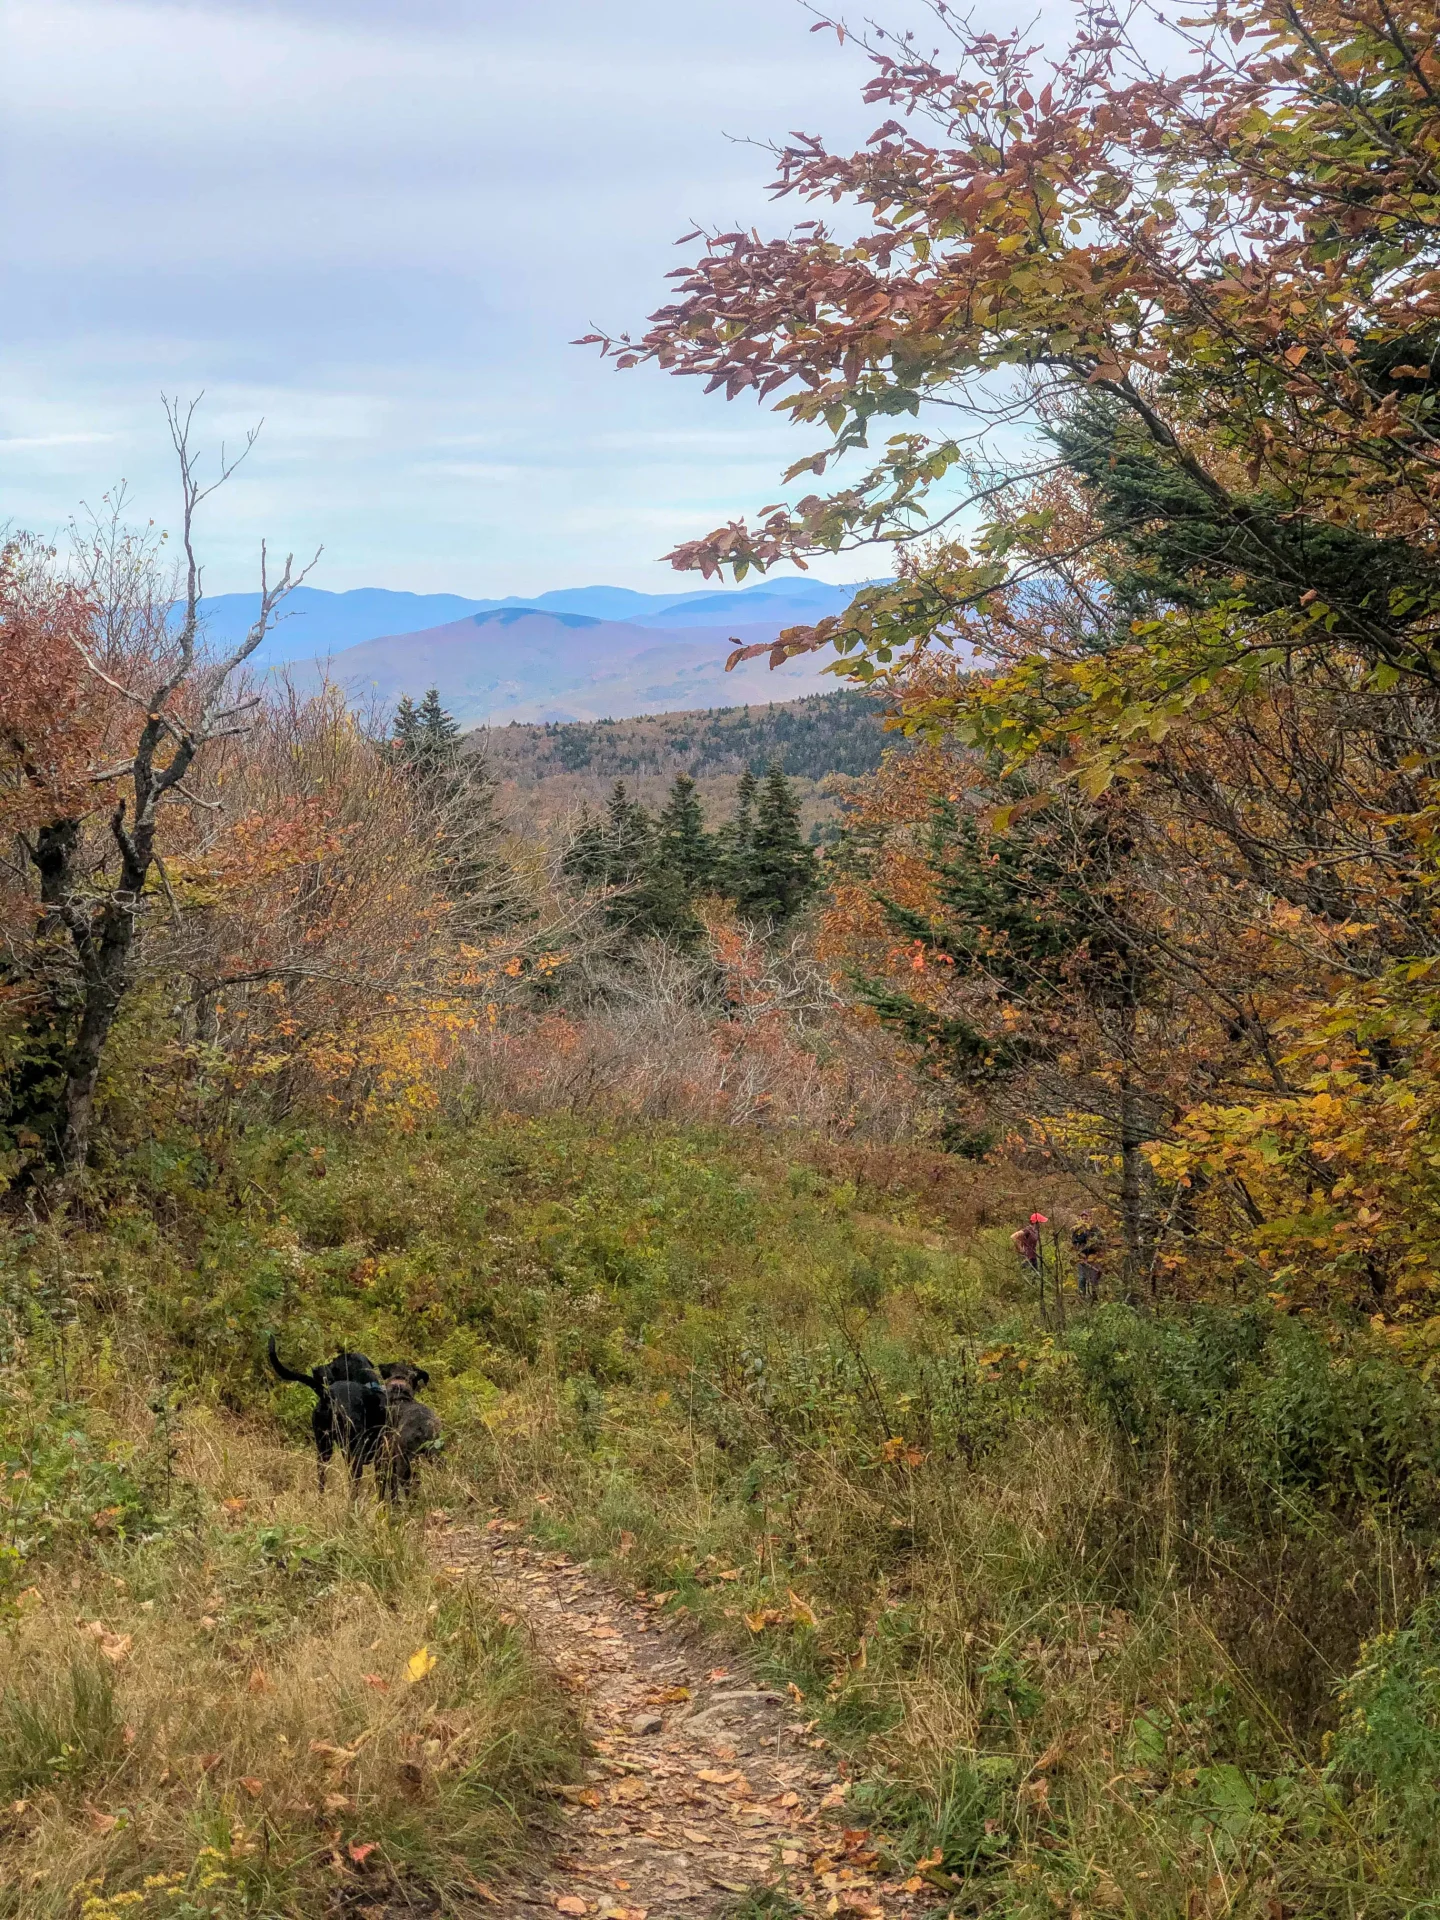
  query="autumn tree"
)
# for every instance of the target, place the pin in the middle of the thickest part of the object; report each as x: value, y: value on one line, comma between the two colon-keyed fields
x: 1213, y: 296
x: 139, y: 710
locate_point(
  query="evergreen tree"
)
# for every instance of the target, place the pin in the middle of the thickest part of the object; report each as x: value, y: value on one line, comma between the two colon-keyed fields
x: 460, y: 789
x: 655, y: 867
x: 735, y: 837
x: 779, y: 871
x: 437, y: 735
x: 681, y: 840
x: 405, y: 728
x: 613, y: 851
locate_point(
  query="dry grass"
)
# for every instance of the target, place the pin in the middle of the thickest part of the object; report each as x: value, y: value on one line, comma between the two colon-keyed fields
x: 272, y: 1695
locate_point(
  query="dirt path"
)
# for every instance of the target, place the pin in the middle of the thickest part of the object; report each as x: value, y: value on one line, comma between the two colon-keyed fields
x: 703, y: 1785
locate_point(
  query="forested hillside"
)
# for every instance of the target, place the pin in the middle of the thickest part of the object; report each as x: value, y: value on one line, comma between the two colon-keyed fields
x: 549, y: 771
x: 840, y: 732
x: 949, y: 1318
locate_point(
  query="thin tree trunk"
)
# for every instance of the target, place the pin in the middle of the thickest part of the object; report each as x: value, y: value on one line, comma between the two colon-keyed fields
x: 105, y: 961
x: 1132, y: 1186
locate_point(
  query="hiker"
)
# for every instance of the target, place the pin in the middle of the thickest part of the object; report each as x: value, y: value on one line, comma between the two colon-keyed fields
x: 1089, y: 1244
x: 1026, y: 1242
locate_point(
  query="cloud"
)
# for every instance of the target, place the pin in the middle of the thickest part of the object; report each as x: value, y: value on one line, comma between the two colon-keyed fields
x: 379, y: 224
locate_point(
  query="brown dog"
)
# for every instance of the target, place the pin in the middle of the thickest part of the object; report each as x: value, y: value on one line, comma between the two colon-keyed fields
x: 411, y: 1429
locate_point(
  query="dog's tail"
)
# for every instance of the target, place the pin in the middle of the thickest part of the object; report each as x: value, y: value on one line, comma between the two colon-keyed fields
x: 288, y: 1373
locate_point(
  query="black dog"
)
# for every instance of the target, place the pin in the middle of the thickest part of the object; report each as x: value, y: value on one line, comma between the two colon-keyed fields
x: 350, y: 1410
x: 412, y: 1429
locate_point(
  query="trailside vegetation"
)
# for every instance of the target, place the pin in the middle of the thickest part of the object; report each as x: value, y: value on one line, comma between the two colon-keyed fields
x: 1202, y: 273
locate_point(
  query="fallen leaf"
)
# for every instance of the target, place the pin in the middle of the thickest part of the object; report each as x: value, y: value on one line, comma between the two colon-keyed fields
x: 101, y: 1822
x: 209, y: 1622
x: 339, y: 1756
x: 105, y: 1519
x: 801, y: 1612
x: 252, y: 1784
x: 259, y: 1681
x: 794, y: 1692
x: 116, y: 1647
x: 577, y: 1796
x: 419, y: 1664
x: 730, y: 1573
x: 209, y: 1761
x: 627, y: 1544
x: 376, y: 1681
x: 717, y: 1776
x: 361, y: 1853
x: 28, y: 1597
x: 570, y: 1903
x: 338, y: 1803
x: 237, y: 1505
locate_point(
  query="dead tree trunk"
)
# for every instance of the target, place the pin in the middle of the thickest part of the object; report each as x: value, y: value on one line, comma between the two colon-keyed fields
x: 183, y: 714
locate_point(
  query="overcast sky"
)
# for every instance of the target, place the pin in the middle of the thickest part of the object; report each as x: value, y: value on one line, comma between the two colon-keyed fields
x: 378, y: 223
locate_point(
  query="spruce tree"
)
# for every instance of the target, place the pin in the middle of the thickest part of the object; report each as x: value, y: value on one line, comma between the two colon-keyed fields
x: 459, y: 788
x: 437, y: 736
x: 780, y: 870
x: 735, y: 837
x: 405, y: 728
x: 612, y: 851
x: 681, y: 840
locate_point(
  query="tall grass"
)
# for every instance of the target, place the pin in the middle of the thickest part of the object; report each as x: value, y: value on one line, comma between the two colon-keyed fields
x: 1130, y: 1620
x: 278, y: 1697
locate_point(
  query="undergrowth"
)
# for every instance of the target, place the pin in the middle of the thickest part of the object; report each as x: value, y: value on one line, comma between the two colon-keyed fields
x: 1131, y: 1619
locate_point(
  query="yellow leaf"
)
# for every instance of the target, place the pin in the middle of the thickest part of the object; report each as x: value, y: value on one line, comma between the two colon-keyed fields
x: 802, y: 1614
x: 419, y: 1664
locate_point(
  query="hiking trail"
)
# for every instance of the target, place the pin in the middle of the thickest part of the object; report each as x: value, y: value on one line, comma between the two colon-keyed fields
x: 703, y: 1785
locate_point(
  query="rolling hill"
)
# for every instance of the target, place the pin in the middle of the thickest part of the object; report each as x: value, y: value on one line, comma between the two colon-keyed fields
x: 546, y: 773
x: 523, y: 663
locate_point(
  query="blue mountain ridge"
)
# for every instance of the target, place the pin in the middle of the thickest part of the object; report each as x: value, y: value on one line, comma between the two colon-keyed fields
x: 317, y: 623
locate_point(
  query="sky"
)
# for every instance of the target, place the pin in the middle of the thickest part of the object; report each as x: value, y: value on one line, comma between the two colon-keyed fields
x: 378, y: 225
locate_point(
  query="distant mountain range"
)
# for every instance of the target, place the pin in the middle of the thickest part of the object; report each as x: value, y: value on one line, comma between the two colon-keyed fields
x: 317, y: 624
x: 579, y: 653
x: 521, y: 663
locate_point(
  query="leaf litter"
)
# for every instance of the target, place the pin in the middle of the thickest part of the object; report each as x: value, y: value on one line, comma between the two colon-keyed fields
x: 703, y: 1783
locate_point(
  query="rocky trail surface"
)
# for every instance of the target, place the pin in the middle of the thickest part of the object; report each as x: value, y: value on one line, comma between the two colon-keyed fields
x: 703, y: 1786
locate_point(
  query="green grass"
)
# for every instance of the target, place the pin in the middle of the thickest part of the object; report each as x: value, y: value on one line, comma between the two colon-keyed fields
x: 1077, y: 1611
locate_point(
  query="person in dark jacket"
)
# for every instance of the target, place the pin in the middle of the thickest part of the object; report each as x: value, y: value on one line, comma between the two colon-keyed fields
x: 1089, y: 1244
